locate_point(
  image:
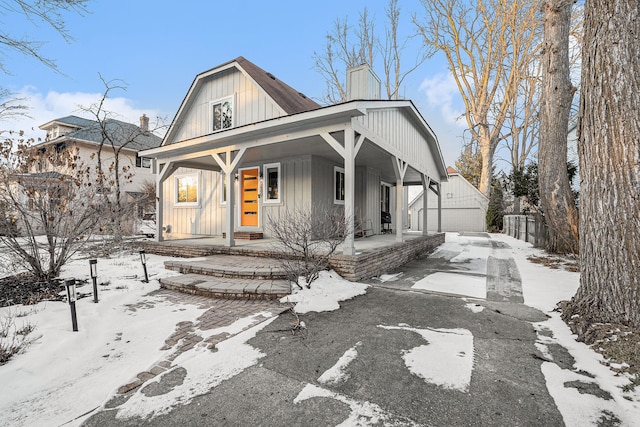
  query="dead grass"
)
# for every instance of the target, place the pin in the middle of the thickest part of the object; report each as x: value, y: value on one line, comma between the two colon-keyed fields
x: 620, y: 346
x: 557, y: 262
x: 13, y: 338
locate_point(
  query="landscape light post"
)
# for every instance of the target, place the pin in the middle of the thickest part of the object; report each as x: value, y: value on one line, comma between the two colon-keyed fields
x: 93, y: 265
x: 71, y: 298
x: 143, y: 259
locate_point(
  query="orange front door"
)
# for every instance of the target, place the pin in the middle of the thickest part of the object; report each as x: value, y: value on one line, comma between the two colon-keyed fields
x: 249, y: 197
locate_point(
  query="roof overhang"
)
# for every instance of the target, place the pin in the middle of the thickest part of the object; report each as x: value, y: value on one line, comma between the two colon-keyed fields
x: 300, y: 134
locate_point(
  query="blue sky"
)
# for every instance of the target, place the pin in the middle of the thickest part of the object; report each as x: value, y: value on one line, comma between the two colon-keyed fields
x: 157, y: 48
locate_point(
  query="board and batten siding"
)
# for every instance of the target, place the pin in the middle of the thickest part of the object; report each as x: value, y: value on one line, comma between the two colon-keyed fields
x: 295, y: 191
x: 205, y: 219
x: 251, y: 105
x: 401, y: 133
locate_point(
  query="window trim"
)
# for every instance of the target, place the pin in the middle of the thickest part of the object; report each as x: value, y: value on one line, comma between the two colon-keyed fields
x: 337, y: 201
x: 265, y: 183
x: 223, y: 193
x: 196, y: 176
x: 233, y: 113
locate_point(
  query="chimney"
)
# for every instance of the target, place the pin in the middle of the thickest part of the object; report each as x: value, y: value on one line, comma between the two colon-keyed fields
x: 362, y: 83
x: 144, y: 123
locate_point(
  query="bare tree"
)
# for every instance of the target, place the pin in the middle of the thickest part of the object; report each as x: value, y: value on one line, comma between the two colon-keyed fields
x: 488, y: 45
x: 609, y: 148
x: 46, y: 217
x: 111, y: 174
x: 348, y: 47
x: 307, y: 238
x: 556, y: 197
x: 49, y: 12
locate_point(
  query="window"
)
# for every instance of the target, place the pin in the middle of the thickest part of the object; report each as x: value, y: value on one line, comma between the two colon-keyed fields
x: 338, y: 185
x: 143, y: 162
x: 222, y: 114
x: 223, y: 189
x: 385, y: 197
x: 272, y: 183
x: 187, y: 190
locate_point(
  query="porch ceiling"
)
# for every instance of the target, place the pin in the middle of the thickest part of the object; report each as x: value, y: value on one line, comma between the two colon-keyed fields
x: 370, y: 155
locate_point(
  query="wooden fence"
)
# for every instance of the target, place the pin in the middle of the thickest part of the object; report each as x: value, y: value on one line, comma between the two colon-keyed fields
x: 526, y: 227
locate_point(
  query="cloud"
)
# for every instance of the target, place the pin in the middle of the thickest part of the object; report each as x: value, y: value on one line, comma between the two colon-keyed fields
x: 440, y: 91
x: 44, y: 107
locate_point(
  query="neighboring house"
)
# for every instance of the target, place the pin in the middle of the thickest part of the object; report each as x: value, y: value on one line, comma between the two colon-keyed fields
x: 79, y: 137
x: 72, y: 132
x: 86, y: 135
x: 244, y: 146
x: 464, y: 207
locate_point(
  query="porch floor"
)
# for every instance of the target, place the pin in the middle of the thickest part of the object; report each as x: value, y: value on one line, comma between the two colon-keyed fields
x: 239, y: 269
x: 362, y: 244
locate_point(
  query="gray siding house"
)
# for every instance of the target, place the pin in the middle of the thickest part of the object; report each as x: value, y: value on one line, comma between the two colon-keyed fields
x: 244, y: 146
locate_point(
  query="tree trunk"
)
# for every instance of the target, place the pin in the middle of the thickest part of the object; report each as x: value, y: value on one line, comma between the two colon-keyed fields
x: 487, y: 150
x: 557, y: 92
x: 609, y: 144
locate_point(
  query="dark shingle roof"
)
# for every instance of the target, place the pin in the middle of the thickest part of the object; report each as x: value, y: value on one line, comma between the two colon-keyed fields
x: 120, y: 132
x: 74, y: 121
x: 289, y: 99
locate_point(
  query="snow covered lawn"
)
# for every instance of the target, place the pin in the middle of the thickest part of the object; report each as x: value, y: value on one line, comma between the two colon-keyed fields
x: 63, y: 375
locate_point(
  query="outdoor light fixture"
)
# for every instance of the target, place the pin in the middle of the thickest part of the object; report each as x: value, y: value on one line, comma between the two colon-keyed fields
x: 143, y: 260
x: 70, y: 284
x: 93, y: 265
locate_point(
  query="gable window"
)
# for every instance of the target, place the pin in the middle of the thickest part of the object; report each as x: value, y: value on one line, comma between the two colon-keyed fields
x: 338, y: 185
x: 222, y: 114
x: 187, y: 190
x: 272, y: 183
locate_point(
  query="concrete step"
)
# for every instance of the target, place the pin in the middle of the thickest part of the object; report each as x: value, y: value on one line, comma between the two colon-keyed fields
x: 227, y: 287
x: 231, y: 266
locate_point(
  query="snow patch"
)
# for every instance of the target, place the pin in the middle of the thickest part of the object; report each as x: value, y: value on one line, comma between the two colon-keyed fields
x: 451, y: 283
x: 447, y: 359
x: 475, y: 308
x: 362, y: 413
x: 337, y: 373
x: 325, y: 293
x: 205, y: 369
x: 389, y: 277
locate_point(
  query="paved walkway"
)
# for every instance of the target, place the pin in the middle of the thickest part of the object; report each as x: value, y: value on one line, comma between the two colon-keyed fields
x: 394, y: 356
x: 220, y: 313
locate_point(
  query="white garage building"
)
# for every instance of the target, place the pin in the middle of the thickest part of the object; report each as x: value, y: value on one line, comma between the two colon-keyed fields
x: 464, y: 207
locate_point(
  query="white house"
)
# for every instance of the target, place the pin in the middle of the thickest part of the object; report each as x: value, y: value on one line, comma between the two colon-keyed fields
x: 244, y: 145
x: 464, y: 207
x: 85, y: 136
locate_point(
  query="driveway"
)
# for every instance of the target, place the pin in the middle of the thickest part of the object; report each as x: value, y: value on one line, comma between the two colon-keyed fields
x: 400, y: 355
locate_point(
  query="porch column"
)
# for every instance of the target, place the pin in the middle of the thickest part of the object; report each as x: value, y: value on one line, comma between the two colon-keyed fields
x: 400, y: 169
x: 425, y: 204
x: 163, y: 172
x: 349, y: 190
x: 439, y: 207
x: 229, y: 166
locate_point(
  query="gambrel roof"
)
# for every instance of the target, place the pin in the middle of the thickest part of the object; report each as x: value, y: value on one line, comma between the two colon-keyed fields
x: 287, y: 99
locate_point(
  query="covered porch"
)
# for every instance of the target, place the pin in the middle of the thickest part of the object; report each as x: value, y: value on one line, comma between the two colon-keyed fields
x: 371, y: 142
